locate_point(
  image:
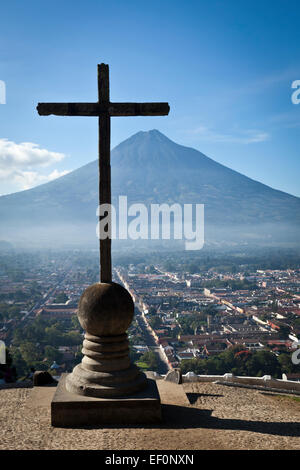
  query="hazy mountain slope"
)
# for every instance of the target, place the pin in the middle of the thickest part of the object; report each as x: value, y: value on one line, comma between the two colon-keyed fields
x: 149, y: 167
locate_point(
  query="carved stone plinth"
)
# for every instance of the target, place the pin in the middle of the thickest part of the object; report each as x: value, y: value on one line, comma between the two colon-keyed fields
x: 105, y: 370
x: 105, y: 388
x: 105, y: 312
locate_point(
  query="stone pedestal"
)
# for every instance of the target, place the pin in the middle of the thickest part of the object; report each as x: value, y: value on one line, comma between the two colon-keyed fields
x: 105, y: 370
x: 105, y: 387
x: 71, y: 410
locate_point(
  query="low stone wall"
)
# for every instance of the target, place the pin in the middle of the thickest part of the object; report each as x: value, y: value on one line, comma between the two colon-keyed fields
x: 201, y: 378
x: 24, y: 384
x: 265, y: 382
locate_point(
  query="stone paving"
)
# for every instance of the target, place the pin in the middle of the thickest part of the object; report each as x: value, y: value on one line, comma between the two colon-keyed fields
x: 213, y: 417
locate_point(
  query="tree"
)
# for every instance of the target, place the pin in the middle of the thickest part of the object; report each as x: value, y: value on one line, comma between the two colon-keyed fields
x: 237, y: 361
x: 29, y: 352
x: 72, y: 338
x: 18, y: 361
x: 286, y: 365
x: 61, y: 298
x: 75, y: 323
x: 284, y: 331
x: 53, y: 335
x: 52, y: 354
x: 263, y: 363
x: 134, y: 355
x: 150, y: 358
x: 154, y: 321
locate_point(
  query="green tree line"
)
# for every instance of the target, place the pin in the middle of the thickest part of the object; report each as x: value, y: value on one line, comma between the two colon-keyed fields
x: 238, y: 361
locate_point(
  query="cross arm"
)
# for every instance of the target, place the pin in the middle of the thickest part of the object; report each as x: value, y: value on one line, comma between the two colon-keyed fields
x: 70, y: 109
x: 98, y: 109
x: 139, y: 109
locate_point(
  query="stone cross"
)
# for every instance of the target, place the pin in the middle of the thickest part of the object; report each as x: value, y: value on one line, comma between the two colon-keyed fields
x: 105, y: 309
x: 104, y: 109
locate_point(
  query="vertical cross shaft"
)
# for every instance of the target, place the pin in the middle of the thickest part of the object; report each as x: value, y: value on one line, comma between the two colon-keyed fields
x: 104, y: 109
x: 104, y: 170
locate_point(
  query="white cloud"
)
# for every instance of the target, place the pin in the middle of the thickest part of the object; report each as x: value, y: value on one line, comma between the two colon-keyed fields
x: 22, y: 165
x: 243, y: 137
x: 29, y: 179
x: 26, y: 154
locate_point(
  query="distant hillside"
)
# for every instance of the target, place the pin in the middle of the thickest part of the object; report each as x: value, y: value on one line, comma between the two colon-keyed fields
x: 148, y: 167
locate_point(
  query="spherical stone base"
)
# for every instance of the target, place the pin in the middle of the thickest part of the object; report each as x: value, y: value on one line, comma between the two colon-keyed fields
x: 105, y: 309
x: 104, y: 384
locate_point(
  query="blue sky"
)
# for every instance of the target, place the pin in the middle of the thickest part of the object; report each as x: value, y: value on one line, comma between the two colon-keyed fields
x: 225, y: 67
